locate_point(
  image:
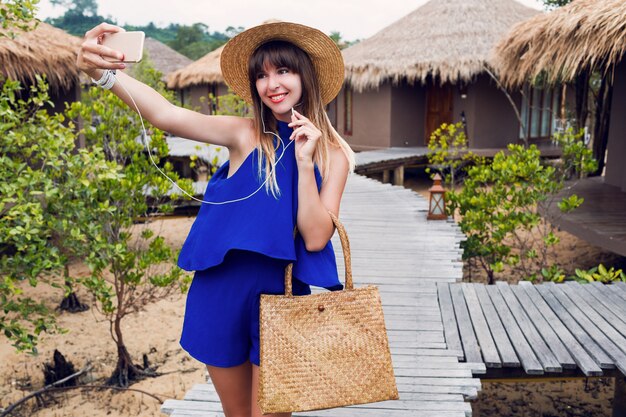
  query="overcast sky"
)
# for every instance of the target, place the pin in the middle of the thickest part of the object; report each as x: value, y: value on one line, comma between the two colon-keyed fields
x: 355, y: 19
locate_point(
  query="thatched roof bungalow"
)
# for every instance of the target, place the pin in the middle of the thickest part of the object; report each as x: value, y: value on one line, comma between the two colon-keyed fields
x: 426, y: 69
x: 583, y: 36
x: 44, y: 50
x: 164, y: 59
x: 199, y: 79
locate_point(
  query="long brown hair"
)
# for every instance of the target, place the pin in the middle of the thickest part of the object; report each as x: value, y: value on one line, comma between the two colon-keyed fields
x: 285, y: 54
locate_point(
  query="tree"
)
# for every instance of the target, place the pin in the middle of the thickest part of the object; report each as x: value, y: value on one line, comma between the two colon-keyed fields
x: 448, y: 152
x: 80, y: 16
x: 45, y: 214
x: 187, y: 35
x: 232, y: 31
x: 341, y: 43
x: 43, y: 221
x: 501, y: 202
x: 131, y: 265
x: 194, y: 41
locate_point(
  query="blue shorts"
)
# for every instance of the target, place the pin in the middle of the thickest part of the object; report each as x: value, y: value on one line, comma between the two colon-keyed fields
x: 221, y: 326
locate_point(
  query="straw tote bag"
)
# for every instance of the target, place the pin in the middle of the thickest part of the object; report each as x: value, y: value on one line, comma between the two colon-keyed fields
x: 324, y: 350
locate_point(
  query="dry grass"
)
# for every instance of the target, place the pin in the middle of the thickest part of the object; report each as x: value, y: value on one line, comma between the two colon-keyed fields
x: 448, y: 40
x: 584, y: 35
x: 206, y: 70
x: 45, y: 50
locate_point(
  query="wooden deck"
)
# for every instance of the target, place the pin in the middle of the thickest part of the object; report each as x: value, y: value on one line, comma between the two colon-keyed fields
x: 392, y: 161
x: 395, y: 248
x: 600, y: 220
x: 548, y: 329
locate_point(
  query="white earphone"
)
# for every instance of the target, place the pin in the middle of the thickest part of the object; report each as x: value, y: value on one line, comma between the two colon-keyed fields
x: 144, y: 135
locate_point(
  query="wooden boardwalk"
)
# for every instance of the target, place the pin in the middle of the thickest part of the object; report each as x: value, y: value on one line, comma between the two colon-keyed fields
x: 395, y: 159
x: 548, y: 329
x: 395, y: 248
x: 600, y: 220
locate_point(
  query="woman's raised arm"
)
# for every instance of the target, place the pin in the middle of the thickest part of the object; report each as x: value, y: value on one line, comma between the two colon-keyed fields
x: 229, y: 131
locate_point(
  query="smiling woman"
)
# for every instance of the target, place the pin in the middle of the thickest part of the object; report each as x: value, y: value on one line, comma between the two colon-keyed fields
x: 239, y: 250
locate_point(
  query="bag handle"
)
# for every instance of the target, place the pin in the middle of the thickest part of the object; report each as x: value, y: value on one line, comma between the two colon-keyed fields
x: 345, y: 246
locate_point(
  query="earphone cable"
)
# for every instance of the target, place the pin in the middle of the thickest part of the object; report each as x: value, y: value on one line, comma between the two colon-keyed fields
x: 145, y: 135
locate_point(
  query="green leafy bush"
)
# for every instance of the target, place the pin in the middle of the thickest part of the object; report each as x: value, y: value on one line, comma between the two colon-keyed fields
x: 130, y: 265
x: 500, y: 204
x: 448, y: 152
x: 49, y: 207
x: 599, y: 273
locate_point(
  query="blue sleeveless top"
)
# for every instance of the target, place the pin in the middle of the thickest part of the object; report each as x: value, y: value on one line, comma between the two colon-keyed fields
x: 262, y: 223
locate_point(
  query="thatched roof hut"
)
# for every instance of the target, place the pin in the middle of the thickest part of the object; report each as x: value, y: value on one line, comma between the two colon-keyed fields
x: 585, y: 34
x: 165, y: 59
x: 44, y: 50
x: 450, y: 40
x: 560, y: 46
x: 206, y: 70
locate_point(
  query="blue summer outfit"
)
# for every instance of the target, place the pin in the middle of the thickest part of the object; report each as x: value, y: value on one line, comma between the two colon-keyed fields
x: 239, y: 251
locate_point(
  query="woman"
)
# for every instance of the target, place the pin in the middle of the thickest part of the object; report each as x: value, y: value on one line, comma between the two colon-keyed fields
x: 242, y: 240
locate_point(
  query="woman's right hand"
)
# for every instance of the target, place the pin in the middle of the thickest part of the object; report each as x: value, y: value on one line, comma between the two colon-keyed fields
x: 90, y: 55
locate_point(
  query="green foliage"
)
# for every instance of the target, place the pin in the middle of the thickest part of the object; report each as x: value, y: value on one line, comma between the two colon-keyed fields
x: 568, y: 204
x: 78, y: 24
x: 576, y: 156
x: 499, y: 203
x: 553, y: 273
x: 79, y: 17
x: 232, y: 31
x: 194, y: 41
x: 448, y: 152
x: 17, y: 14
x: 339, y: 41
x: 145, y: 72
x: 229, y: 104
x: 131, y: 266
x: 46, y: 206
x: 78, y: 7
x: 599, y: 273
x: 495, y: 202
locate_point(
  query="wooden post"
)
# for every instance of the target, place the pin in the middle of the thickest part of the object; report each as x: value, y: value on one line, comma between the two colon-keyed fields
x: 398, y: 175
x: 386, y: 176
x: 619, y: 397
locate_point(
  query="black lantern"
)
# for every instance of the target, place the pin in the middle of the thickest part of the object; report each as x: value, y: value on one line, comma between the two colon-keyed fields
x: 437, y: 200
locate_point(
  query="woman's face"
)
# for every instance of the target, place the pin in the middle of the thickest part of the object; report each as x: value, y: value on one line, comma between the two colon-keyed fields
x: 280, y: 89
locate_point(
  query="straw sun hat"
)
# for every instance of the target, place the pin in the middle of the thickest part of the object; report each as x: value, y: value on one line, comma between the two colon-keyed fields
x: 323, y: 52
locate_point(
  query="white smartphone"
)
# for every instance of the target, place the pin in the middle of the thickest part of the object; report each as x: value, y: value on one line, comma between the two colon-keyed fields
x: 128, y: 43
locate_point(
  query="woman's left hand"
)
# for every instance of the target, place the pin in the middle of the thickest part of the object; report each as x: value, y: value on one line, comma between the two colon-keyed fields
x: 306, y: 135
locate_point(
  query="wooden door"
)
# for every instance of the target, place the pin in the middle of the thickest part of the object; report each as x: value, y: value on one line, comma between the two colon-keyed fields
x: 438, y: 108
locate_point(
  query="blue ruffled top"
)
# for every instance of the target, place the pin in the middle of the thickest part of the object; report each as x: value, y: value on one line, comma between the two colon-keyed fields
x: 262, y: 223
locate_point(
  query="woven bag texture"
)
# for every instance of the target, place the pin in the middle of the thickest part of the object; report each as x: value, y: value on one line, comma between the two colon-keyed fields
x: 324, y: 350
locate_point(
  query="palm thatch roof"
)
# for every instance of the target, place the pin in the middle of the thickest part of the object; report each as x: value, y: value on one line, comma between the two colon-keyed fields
x: 44, y: 50
x: 206, y: 70
x: 585, y: 34
x: 449, y: 40
x: 165, y: 59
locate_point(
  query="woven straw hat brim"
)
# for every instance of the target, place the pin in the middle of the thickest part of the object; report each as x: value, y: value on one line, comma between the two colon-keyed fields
x: 324, y: 53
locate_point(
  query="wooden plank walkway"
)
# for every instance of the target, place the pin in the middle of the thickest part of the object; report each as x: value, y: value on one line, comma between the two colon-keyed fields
x: 395, y: 248
x: 397, y: 158
x: 570, y: 328
x: 600, y: 220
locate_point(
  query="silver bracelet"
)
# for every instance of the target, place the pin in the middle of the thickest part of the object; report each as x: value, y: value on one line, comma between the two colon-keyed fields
x: 107, y: 80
